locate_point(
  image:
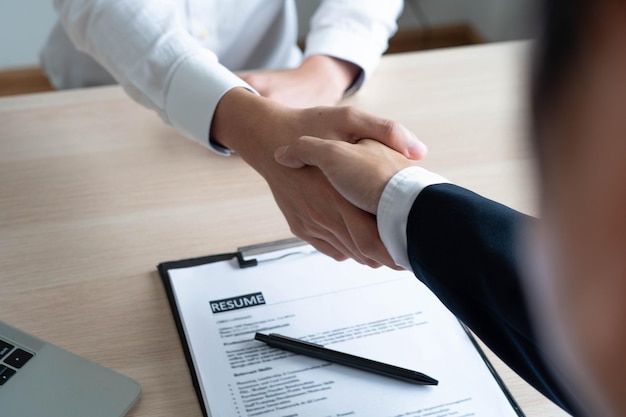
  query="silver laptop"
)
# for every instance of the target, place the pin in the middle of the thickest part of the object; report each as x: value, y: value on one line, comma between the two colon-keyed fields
x: 38, y: 379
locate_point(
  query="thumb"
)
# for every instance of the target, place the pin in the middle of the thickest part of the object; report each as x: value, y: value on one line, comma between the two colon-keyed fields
x: 390, y: 133
x: 404, y: 141
x: 285, y: 156
x: 398, y: 137
x: 304, y: 151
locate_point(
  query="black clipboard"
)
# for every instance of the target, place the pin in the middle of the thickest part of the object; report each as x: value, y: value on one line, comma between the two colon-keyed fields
x: 245, y: 259
x: 244, y: 256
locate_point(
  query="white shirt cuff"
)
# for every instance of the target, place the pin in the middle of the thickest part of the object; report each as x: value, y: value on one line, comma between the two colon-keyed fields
x: 394, y: 207
x: 197, y: 86
x: 351, y: 49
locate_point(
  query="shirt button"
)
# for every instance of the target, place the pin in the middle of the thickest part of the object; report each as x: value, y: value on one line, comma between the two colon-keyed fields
x: 203, y: 34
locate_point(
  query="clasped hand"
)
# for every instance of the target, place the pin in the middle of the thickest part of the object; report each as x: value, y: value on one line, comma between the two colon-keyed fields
x: 332, y: 207
x: 358, y: 171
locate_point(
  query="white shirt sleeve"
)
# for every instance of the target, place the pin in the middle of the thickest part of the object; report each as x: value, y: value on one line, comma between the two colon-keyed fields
x: 355, y: 31
x: 147, y: 49
x: 394, y: 207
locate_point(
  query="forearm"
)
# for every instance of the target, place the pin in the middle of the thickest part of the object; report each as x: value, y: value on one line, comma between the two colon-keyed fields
x: 464, y: 248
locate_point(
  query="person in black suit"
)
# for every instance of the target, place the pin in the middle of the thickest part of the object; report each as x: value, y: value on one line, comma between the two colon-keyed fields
x: 546, y: 295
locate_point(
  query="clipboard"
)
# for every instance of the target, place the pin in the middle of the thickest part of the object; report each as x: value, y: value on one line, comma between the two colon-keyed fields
x: 246, y: 257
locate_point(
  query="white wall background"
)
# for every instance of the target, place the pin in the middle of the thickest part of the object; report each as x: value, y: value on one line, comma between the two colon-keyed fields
x: 24, y: 24
x: 24, y: 27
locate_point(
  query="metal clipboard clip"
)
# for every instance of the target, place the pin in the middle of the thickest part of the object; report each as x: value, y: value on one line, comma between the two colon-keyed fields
x: 246, y: 254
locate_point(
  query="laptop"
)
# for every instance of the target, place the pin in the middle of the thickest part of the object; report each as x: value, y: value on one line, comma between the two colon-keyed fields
x: 39, y: 379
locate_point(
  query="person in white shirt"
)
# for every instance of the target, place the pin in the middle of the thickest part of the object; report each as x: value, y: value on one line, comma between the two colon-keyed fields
x: 181, y: 57
x: 547, y: 295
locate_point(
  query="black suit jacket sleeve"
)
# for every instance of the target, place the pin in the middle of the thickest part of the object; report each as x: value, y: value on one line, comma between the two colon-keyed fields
x: 462, y: 246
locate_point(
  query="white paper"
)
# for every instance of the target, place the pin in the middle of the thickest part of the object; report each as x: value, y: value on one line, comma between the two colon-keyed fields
x: 380, y: 314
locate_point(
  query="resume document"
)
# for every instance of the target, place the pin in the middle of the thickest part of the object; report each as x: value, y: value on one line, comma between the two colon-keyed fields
x: 380, y: 314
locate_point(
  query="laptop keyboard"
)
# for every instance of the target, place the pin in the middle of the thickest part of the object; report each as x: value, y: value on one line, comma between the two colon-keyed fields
x: 12, y: 358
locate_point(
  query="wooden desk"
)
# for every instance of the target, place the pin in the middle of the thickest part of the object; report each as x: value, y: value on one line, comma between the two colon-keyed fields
x: 95, y: 191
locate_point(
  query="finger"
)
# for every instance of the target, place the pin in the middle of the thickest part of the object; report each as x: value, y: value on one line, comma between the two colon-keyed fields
x: 398, y: 137
x: 366, y: 240
x: 338, y: 234
x: 328, y: 234
x: 332, y: 245
x: 336, y: 241
x: 388, y: 132
x: 288, y: 157
x: 349, y: 233
x: 327, y: 249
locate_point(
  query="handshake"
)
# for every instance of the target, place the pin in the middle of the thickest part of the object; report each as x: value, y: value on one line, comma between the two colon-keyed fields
x: 359, y: 172
x: 327, y: 167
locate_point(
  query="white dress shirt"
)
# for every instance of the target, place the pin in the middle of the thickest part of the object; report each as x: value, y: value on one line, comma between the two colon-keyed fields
x: 177, y: 56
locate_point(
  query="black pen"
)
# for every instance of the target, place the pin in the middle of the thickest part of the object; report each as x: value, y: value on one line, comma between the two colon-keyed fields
x: 320, y: 352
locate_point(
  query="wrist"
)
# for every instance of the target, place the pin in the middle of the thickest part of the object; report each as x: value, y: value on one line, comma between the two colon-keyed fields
x: 251, y: 125
x: 337, y: 72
